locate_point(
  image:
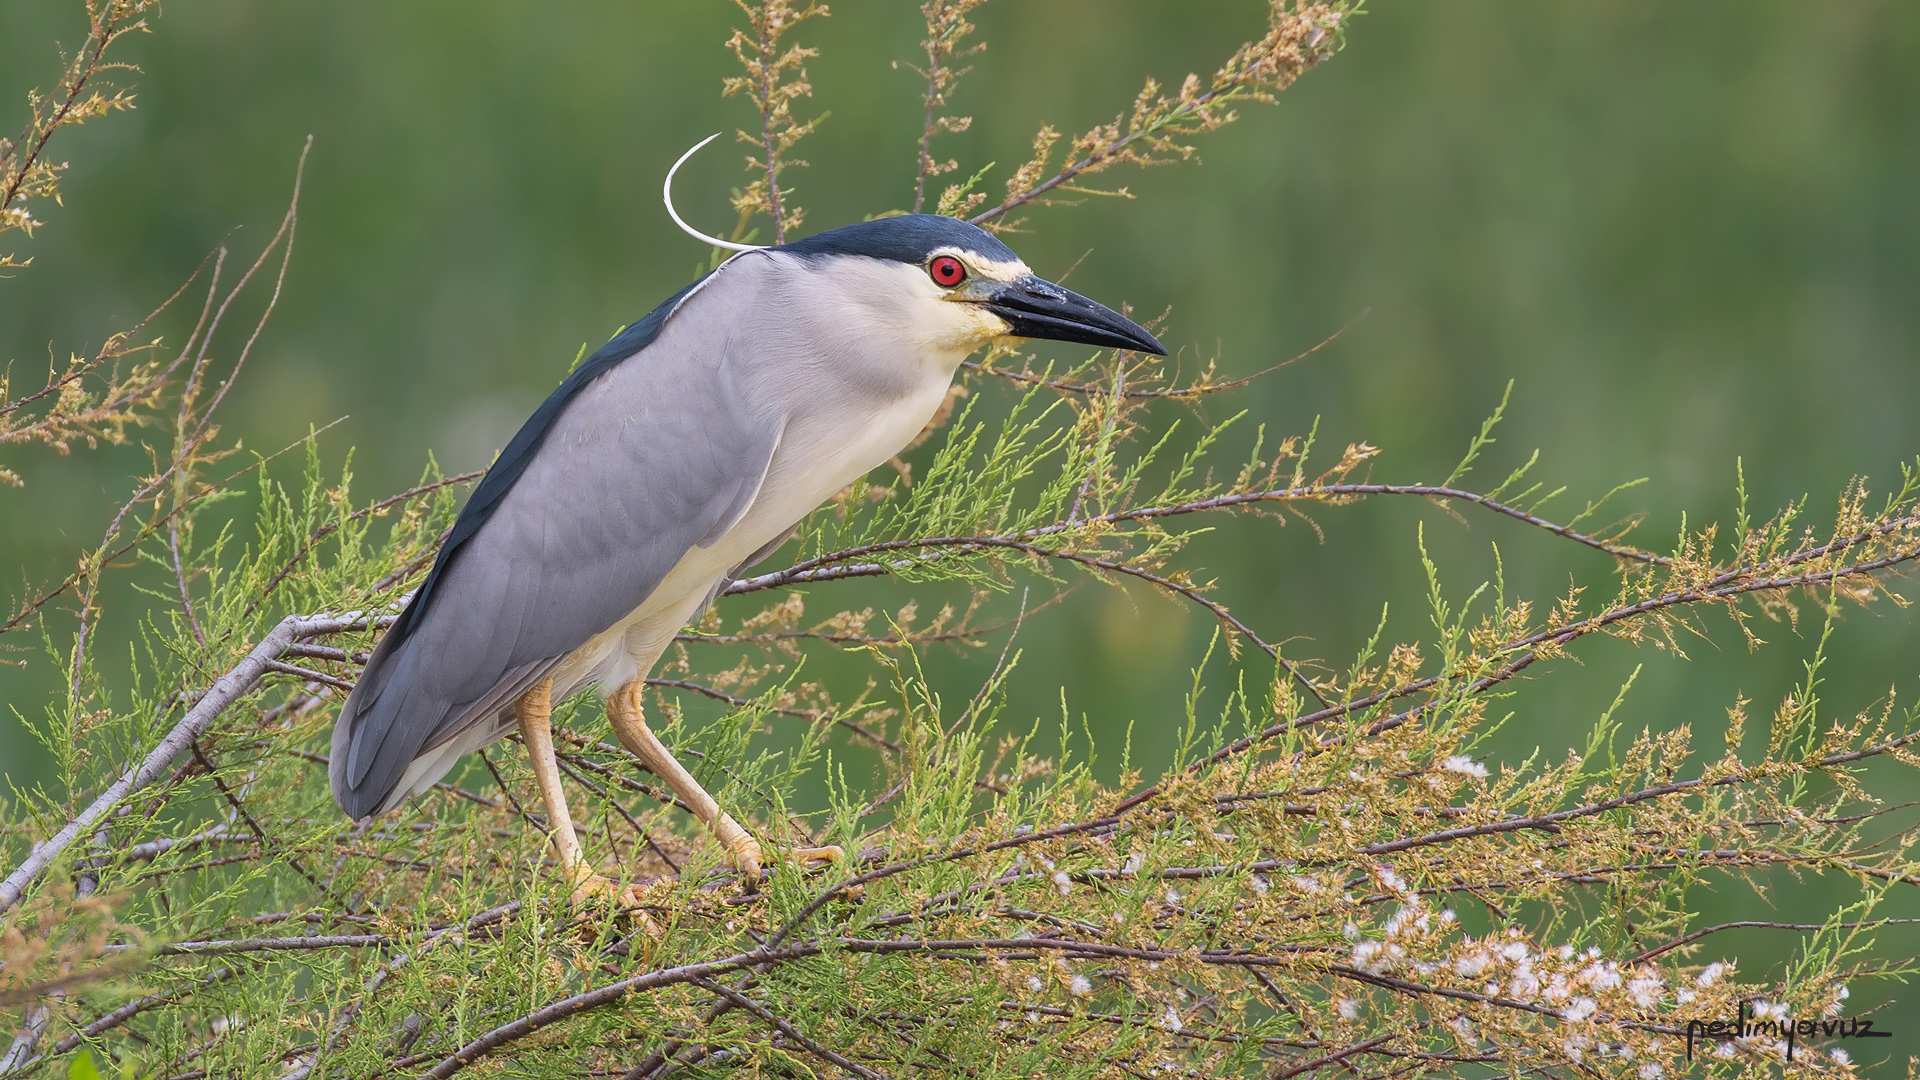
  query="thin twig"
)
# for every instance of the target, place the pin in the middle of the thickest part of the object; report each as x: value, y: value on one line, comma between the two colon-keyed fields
x: 781, y: 1025
x: 1688, y: 939
x: 228, y: 688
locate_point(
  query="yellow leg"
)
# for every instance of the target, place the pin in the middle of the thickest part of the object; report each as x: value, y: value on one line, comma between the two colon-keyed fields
x: 624, y: 711
x: 534, y: 710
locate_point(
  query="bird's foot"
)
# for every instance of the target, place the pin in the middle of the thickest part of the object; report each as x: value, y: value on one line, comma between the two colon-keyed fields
x: 589, y: 886
x: 748, y: 856
x: 805, y: 855
x: 742, y: 846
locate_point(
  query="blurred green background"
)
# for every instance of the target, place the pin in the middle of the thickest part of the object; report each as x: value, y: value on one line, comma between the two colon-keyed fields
x: 1689, y: 232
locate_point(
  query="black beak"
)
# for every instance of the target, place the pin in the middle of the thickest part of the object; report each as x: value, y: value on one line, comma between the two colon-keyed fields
x: 1040, y: 309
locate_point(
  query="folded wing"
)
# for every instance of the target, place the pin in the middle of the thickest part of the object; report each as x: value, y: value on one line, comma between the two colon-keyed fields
x: 648, y: 449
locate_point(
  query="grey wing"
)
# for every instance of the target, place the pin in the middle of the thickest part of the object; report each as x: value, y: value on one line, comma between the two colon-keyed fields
x: 651, y: 460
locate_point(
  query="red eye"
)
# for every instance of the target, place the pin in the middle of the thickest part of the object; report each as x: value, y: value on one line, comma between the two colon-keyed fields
x: 946, y: 271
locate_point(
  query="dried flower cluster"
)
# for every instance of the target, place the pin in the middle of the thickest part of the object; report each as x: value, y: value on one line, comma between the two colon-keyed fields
x: 25, y: 172
x: 90, y: 399
x: 947, y: 26
x: 1300, y: 35
x: 1333, y: 879
x: 775, y: 78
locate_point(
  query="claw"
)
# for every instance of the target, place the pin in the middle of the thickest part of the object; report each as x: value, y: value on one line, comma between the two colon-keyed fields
x: 741, y: 844
x: 626, y: 898
x: 830, y: 853
x: 748, y: 857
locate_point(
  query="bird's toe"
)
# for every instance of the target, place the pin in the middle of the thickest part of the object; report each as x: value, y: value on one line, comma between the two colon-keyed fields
x: 591, y: 887
x: 829, y: 854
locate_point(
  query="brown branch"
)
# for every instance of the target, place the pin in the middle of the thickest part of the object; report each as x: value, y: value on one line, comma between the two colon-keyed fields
x: 812, y: 570
x: 1538, y: 821
x: 274, y: 944
x: 134, y: 1008
x: 958, y: 633
x: 1337, y: 1056
x: 768, y: 85
x: 1013, y: 948
x: 946, y: 24
x: 1688, y: 939
x: 1388, y: 982
x: 785, y: 1028
x: 1210, y: 1033
x: 842, y: 563
x: 310, y: 675
x: 1528, y: 650
x: 1205, y: 387
x: 548, y: 1015
x: 228, y: 688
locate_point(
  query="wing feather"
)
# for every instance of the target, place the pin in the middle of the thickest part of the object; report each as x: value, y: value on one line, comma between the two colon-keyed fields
x: 612, y: 481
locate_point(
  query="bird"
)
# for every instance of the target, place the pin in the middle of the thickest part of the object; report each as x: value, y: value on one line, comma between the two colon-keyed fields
x: 686, y: 449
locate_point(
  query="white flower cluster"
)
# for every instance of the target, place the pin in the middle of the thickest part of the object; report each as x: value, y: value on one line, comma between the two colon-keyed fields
x: 1465, y: 766
x: 1575, y: 1046
x: 1412, y: 924
x: 1377, y: 957
x: 1392, y: 882
x: 1308, y: 884
x: 1579, y: 1044
x: 1581, y: 1008
x: 1410, y: 918
x: 1578, y: 983
x: 1645, y: 991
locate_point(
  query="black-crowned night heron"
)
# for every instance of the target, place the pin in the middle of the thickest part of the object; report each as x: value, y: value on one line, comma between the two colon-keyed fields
x: 684, y: 450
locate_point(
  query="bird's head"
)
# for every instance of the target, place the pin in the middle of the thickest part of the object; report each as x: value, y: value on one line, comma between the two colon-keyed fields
x: 959, y: 286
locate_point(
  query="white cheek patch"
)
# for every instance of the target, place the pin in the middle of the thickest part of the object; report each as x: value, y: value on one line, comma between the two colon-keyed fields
x: 961, y: 325
x: 898, y: 302
x: 987, y: 324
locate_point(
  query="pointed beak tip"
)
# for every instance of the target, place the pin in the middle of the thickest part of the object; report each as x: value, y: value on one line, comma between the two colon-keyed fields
x: 1039, y: 309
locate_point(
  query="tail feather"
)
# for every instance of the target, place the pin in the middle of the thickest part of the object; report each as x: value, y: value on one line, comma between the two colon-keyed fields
x: 393, y: 740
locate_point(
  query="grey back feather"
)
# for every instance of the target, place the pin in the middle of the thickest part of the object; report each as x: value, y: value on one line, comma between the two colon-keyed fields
x: 660, y: 452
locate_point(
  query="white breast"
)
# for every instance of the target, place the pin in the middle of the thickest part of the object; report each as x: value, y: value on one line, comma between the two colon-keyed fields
x: 857, y: 409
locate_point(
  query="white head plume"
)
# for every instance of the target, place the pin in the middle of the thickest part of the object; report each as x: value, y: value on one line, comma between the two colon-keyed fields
x: 666, y: 196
